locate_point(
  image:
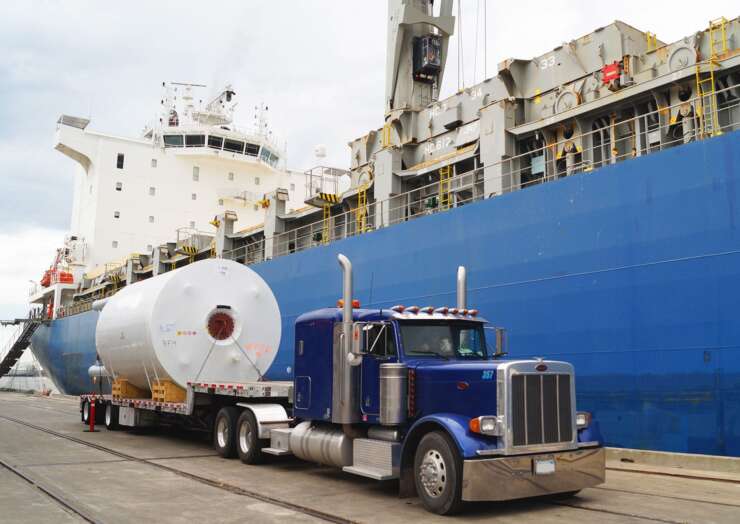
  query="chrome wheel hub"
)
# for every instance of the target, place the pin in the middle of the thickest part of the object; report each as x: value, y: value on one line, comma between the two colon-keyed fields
x: 245, y: 434
x: 221, y: 435
x: 433, y: 473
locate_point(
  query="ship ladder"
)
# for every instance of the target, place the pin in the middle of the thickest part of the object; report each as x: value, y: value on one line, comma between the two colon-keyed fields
x: 445, y: 187
x: 706, y: 91
x: 326, y: 224
x: 17, y: 348
x: 361, y: 210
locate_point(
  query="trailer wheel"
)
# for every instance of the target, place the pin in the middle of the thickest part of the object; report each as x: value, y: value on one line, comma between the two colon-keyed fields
x: 85, y: 412
x: 248, y: 445
x: 224, y: 430
x: 438, y: 474
x: 111, y: 416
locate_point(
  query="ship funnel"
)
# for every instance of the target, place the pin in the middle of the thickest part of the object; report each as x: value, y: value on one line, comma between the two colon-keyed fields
x: 462, y: 288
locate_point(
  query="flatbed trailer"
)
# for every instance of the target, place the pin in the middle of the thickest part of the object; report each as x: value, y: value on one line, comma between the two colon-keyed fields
x: 200, y: 409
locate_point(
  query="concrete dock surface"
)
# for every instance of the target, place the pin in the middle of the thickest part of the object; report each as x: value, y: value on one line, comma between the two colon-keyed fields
x: 53, y: 471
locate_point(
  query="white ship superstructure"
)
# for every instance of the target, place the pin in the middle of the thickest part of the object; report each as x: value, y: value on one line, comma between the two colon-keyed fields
x: 134, y: 193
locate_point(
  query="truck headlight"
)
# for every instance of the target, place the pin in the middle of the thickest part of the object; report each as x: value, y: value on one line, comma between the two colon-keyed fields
x: 583, y: 419
x: 487, y: 425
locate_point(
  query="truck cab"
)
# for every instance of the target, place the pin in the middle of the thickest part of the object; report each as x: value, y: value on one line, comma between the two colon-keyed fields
x: 418, y: 394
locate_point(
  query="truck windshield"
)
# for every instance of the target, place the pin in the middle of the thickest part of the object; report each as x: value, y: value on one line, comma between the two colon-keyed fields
x: 450, y: 340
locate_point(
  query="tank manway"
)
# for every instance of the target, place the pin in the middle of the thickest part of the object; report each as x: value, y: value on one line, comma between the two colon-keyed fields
x: 211, y: 321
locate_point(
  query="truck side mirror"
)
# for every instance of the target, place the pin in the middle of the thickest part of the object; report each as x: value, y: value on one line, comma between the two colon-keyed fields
x: 500, y: 343
x: 500, y: 338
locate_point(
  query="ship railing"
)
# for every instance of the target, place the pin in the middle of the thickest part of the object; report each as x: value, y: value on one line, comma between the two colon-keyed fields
x: 191, y: 237
x: 322, y: 179
x: 469, y: 186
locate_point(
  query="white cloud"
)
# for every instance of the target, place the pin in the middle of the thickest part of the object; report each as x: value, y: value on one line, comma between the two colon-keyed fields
x: 28, y: 253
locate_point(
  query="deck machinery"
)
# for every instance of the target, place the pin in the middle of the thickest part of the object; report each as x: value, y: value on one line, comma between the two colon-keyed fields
x: 612, y: 95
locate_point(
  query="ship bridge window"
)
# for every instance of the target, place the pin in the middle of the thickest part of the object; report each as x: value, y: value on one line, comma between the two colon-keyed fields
x: 215, y: 142
x: 173, y: 140
x: 234, y: 146
x: 268, y: 157
x: 119, y: 161
x: 252, y: 149
x: 195, y: 140
x: 196, y: 173
x: 154, y: 162
x: 231, y: 176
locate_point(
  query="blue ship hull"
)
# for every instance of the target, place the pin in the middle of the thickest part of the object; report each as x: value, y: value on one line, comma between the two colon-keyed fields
x: 632, y: 273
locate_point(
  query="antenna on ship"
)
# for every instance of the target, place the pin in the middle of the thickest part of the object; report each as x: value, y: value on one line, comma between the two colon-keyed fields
x: 260, y: 120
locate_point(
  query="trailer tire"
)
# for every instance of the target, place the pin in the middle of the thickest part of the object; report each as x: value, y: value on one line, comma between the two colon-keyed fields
x: 248, y: 445
x: 224, y: 430
x: 85, y: 412
x: 438, y: 474
x: 111, y: 417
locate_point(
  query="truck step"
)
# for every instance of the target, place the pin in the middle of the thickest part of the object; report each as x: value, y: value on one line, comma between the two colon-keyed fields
x: 279, y: 442
x: 375, y: 474
x: 277, y: 452
x: 375, y: 459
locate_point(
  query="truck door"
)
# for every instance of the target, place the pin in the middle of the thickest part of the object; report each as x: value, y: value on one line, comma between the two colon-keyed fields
x: 380, y: 347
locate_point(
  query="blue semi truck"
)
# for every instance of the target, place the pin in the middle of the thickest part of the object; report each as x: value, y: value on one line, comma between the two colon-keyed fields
x: 411, y: 393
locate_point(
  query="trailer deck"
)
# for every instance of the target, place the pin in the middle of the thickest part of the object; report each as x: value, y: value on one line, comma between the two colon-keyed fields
x: 54, y: 471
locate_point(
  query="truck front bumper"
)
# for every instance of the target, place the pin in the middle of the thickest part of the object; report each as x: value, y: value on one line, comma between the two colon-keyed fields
x: 508, y: 478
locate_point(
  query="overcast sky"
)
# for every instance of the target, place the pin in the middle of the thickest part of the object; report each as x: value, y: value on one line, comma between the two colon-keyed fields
x: 318, y: 64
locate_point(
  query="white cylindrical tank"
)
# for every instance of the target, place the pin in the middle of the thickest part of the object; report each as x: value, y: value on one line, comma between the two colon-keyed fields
x: 212, y: 321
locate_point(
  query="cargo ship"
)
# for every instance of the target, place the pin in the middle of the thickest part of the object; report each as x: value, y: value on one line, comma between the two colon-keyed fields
x: 591, y: 192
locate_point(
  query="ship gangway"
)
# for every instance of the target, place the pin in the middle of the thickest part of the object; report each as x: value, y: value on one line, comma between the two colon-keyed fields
x: 20, y: 343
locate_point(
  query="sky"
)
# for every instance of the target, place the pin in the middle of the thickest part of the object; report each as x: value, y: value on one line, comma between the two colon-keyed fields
x: 319, y: 65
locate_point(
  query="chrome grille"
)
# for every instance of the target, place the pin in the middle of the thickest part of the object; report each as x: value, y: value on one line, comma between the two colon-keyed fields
x: 541, y: 409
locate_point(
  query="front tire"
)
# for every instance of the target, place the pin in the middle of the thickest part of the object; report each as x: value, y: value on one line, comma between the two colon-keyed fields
x: 248, y: 445
x: 111, y: 417
x: 224, y: 431
x: 438, y: 474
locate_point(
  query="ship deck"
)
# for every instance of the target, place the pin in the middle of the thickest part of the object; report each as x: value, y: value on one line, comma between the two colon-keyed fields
x: 54, y: 471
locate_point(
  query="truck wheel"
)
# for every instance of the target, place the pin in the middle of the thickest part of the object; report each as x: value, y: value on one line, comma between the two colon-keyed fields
x: 248, y: 445
x: 111, y: 416
x: 85, y: 412
x: 438, y: 474
x: 223, y: 432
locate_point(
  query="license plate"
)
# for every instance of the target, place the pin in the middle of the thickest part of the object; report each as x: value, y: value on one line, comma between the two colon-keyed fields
x: 544, y: 467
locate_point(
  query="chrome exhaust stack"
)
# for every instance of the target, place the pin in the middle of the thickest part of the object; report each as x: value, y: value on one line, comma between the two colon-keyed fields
x: 462, y: 288
x: 347, y: 292
x: 345, y: 390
